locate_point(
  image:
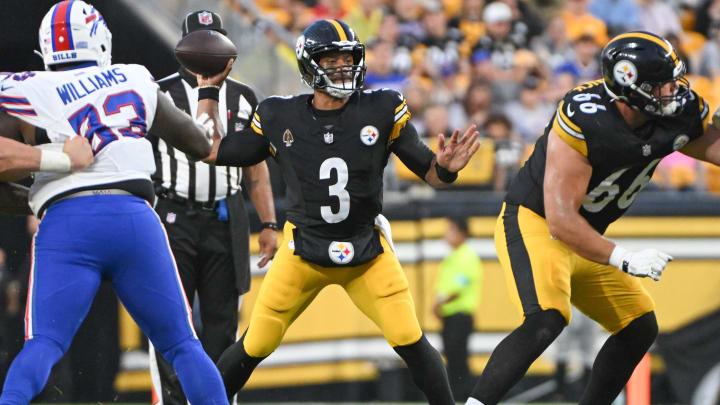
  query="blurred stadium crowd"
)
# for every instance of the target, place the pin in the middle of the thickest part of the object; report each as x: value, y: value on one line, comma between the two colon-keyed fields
x: 503, y: 65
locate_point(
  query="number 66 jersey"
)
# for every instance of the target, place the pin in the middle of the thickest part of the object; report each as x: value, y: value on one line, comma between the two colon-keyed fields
x: 113, y: 107
x: 622, y: 159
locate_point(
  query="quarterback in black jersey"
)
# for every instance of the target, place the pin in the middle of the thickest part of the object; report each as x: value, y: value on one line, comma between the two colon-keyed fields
x: 597, y: 153
x: 332, y: 147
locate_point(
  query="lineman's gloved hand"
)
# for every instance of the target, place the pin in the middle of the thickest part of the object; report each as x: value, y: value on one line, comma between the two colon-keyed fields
x: 644, y: 263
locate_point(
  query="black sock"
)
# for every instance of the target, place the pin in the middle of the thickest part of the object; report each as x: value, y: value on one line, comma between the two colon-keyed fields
x: 235, y: 366
x: 513, y: 356
x: 427, y: 370
x: 617, y: 360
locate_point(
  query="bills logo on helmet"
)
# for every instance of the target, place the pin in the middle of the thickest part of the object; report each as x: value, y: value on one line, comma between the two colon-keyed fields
x: 205, y: 18
x: 341, y: 252
x: 369, y: 135
x: 625, y: 72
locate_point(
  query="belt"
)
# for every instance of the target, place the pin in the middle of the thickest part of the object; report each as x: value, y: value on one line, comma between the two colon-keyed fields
x: 197, y: 205
x: 85, y: 193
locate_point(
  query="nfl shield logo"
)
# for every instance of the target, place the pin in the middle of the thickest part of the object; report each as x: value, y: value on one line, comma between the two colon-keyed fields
x: 341, y: 252
x: 646, y: 150
x: 328, y: 137
x: 205, y: 18
x: 170, y: 218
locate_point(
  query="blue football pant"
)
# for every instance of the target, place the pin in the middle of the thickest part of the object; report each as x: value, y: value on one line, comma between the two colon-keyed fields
x: 80, y: 241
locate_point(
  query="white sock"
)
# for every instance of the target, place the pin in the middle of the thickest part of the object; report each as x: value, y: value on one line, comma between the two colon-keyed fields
x: 473, y: 401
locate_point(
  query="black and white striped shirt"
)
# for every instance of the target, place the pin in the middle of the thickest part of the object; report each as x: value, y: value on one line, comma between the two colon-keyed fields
x: 198, y: 181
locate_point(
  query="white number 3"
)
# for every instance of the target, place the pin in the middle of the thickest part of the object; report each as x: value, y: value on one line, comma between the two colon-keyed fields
x: 337, y: 190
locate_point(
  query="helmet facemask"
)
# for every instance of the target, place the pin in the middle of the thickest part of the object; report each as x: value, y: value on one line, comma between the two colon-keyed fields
x: 667, y: 105
x: 339, y: 81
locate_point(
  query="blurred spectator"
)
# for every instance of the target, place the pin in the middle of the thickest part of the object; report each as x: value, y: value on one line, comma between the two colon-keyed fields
x: 410, y: 29
x: 416, y: 95
x: 476, y: 106
x: 329, y: 9
x: 675, y: 42
x: 587, y: 58
x: 527, y: 23
x: 659, y: 18
x: 709, y: 61
x: 457, y: 292
x: 390, y: 31
x: 493, y: 57
x: 618, y: 15
x: 366, y: 17
x: 437, y: 54
x: 554, y: 46
x: 579, y: 22
x: 436, y: 122
x: 530, y: 113
x: 508, y: 150
x: 564, y: 78
x: 381, y: 72
x: 707, y: 16
x: 469, y: 22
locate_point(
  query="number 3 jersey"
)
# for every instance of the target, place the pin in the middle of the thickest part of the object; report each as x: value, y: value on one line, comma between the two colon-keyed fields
x: 333, y: 161
x: 113, y: 107
x: 622, y: 159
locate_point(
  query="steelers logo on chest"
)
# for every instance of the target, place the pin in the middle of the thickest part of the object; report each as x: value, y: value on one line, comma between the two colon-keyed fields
x: 369, y: 135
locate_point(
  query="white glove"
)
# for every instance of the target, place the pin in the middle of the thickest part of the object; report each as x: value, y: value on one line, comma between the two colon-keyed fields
x: 645, y: 263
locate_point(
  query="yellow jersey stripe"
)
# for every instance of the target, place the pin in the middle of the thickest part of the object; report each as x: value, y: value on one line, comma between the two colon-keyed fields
x: 399, y: 125
x: 566, y: 120
x: 255, y: 128
x: 339, y: 28
x: 574, y: 142
x: 400, y: 107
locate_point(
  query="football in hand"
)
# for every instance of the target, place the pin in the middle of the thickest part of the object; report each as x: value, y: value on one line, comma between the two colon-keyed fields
x: 205, y: 52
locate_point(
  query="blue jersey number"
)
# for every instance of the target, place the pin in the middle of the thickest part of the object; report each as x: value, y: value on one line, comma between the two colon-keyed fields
x: 87, y: 121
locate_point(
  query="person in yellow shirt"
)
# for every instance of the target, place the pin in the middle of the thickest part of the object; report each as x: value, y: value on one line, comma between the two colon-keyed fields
x: 457, y: 290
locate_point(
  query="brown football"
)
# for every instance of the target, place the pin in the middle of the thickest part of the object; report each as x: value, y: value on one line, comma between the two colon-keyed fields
x: 205, y: 52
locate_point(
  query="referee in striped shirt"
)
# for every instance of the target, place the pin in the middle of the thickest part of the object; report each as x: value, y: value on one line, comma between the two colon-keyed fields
x: 203, y: 211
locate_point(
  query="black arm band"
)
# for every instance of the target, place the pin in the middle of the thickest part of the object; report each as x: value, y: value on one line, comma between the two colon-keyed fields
x: 212, y: 92
x: 270, y: 225
x: 444, y: 174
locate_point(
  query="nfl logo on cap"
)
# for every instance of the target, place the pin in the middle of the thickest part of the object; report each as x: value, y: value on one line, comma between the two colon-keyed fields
x: 205, y: 18
x: 341, y: 252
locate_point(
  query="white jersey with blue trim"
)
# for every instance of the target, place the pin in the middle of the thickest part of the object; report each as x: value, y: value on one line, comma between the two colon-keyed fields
x: 113, y: 107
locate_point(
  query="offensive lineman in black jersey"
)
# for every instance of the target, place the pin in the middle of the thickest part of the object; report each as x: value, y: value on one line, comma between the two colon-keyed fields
x: 598, y: 152
x: 333, y: 146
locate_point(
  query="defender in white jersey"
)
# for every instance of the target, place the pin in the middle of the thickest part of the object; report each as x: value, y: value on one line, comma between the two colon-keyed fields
x: 97, y: 222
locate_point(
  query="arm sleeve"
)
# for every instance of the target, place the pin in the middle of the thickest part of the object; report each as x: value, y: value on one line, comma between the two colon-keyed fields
x: 243, y: 148
x: 412, y: 151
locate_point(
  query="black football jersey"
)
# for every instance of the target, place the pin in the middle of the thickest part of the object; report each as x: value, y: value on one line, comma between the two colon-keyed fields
x: 622, y: 159
x: 333, y: 161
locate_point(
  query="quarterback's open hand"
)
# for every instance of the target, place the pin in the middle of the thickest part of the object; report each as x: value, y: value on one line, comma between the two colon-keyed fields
x: 454, y: 154
x: 645, y: 263
x: 214, y: 80
x: 268, y: 246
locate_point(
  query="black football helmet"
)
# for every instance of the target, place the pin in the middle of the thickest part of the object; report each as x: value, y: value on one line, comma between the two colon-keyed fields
x: 636, y: 64
x: 325, y: 36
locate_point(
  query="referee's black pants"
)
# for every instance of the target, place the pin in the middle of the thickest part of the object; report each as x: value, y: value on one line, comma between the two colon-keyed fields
x: 455, y: 335
x: 202, y: 248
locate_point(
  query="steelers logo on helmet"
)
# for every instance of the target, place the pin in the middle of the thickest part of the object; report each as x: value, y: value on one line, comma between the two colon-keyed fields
x: 369, y: 135
x: 625, y: 72
x: 680, y: 141
x: 300, y: 46
x: 341, y: 252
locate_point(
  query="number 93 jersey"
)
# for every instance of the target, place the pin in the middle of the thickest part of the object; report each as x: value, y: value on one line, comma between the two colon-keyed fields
x: 333, y: 161
x: 113, y: 107
x: 622, y: 159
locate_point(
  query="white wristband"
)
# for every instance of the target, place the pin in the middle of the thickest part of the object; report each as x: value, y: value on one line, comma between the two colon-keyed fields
x: 617, y: 256
x: 52, y: 161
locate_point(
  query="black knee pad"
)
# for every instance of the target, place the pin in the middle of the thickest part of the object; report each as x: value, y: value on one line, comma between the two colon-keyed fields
x: 544, y: 327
